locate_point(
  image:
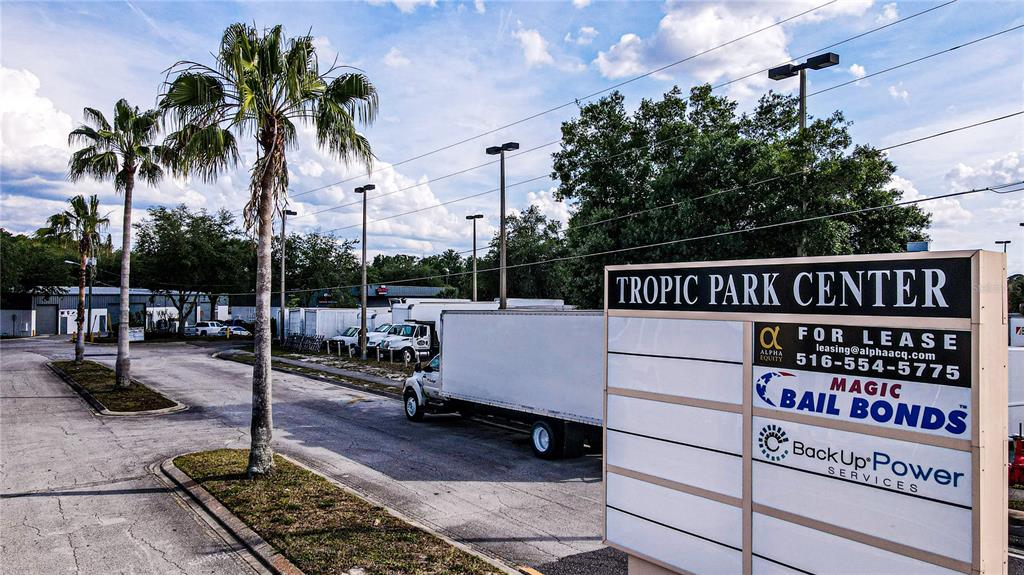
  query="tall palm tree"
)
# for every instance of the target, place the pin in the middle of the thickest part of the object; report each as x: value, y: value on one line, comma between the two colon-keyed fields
x: 119, y: 152
x: 262, y: 84
x: 82, y: 225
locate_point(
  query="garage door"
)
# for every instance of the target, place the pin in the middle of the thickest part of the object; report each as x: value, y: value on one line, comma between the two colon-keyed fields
x: 46, y: 319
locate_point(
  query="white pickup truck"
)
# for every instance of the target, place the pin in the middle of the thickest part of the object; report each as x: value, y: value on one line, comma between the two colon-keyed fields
x: 350, y: 337
x: 540, y: 368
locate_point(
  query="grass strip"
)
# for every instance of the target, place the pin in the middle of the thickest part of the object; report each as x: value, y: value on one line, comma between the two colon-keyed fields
x: 99, y: 381
x: 320, y: 527
x: 318, y: 373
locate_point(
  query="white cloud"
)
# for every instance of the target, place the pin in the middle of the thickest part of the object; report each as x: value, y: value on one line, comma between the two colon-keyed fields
x: 33, y: 131
x: 406, y: 6
x: 584, y: 37
x: 1005, y: 170
x: 535, y: 48
x: 899, y: 92
x: 549, y: 206
x: 624, y: 58
x: 946, y: 213
x: 581, y: 3
x: 889, y: 14
x: 479, y: 6
x: 395, y: 58
x: 857, y: 71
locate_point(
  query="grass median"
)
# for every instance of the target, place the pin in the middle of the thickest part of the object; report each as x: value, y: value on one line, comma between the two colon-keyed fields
x: 318, y: 526
x: 99, y: 381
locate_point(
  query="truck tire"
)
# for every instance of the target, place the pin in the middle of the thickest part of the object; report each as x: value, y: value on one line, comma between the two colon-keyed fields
x: 547, y: 439
x: 408, y: 355
x: 411, y: 406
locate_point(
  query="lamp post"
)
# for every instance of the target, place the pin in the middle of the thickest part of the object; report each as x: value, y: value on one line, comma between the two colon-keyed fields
x: 362, y: 320
x: 818, y: 62
x: 474, y: 218
x: 1004, y: 243
x: 500, y: 150
x: 280, y: 312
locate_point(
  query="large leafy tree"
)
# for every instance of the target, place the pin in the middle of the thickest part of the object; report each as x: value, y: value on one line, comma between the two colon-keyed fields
x: 118, y: 151
x: 81, y: 225
x: 32, y: 266
x: 686, y: 167
x: 317, y: 261
x: 262, y: 84
x: 532, y: 237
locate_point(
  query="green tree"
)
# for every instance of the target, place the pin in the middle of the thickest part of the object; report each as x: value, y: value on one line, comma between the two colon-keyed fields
x: 316, y: 261
x: 80, y: 225
x: 532, y: 237
x: 32, y: 266
x: 686, y: 167
x: 119, y: 151
x: 1015, y: 293
x: 261, y: 84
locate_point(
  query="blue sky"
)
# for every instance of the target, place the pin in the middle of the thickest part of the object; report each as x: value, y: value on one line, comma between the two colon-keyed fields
x: 449, y: 70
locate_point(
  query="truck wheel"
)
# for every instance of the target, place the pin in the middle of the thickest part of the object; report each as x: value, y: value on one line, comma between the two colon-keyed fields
x: 408, y: 355
x: 412, y: 408
x: 547, y: 439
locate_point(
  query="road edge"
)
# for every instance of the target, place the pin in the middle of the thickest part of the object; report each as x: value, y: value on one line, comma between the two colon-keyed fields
x: 101, y: 409
x: 267, y: 555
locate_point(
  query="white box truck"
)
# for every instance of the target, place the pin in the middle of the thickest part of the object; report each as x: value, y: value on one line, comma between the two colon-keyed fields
x: 540, y: 368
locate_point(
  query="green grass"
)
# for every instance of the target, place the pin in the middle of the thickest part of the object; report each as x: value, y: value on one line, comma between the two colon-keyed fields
x: 302, y: 370
x: 98, y: 380
x: 319, y: 527
x: 1017, y: 504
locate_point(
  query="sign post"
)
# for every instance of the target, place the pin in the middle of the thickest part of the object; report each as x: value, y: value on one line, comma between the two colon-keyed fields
x: 808, y: 415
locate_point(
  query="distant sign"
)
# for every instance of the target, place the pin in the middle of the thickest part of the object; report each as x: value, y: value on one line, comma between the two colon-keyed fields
x: 382, y: 290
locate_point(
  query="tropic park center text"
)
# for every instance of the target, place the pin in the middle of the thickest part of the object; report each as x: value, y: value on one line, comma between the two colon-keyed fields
x: 932, y: 287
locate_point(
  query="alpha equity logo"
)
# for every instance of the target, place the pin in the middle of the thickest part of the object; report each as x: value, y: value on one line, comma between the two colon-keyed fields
x: 762, y: 385
x: 773, y: 442
x: 770, y: 350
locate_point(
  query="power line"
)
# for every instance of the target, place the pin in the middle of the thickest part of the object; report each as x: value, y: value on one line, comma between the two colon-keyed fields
x: 476, y: 167
x: 583, y: 98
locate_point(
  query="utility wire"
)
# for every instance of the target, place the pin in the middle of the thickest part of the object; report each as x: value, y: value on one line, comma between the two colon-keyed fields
x: 466, y: 170
x: 584, y: 98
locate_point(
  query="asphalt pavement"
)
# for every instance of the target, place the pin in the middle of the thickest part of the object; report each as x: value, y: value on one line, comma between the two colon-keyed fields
x: 67, y: 474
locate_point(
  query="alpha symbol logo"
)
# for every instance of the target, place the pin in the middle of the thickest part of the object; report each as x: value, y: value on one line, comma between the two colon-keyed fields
x: 769, y: 337
x: 773, y: 442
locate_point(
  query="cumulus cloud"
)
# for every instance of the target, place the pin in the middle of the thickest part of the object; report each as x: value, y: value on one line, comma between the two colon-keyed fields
x: 584, y: 37
x: 581, y: 3
x: 1004, y: 170
x: 479, y: 6
x: 898, y: 92
x: 946, y: 213
x: 405, y: 6
x: 535, y: 48
x: 889, y: 14
x: 395, y: 58
x: 549, y: 206
x: 33, y: 131
x: 688, y: 29
x: 857, y: 71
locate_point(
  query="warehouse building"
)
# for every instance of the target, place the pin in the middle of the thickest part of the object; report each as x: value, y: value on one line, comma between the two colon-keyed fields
x: 23, y: 315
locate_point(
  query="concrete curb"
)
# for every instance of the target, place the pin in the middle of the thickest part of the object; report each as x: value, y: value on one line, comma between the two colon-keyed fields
x: 493, y: 561
x: 396, y: 394
x: 263, y: 551
x: 101, y: 410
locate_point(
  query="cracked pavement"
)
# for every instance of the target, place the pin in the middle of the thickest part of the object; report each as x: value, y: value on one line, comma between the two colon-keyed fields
x: 77, y: 494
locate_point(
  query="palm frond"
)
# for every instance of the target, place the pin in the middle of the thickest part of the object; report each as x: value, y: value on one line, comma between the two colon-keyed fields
x: 96, y: 118
x: 92, y: 162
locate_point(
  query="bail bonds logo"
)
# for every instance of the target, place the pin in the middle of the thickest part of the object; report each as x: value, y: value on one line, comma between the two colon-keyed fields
x: 762, y: 385
x: 773, y: 442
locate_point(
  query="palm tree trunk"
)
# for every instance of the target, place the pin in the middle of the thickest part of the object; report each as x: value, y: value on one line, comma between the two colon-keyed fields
x: 123, y: 366
x: 261, y: 455
x: 80, y: 320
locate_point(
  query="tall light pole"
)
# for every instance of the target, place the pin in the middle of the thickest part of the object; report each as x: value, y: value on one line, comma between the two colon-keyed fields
x: 1004, y: 243
x: 474, y: 218
x: 280, y: 312
x: 818, y: 62
x: 362, y: 320
x: 500, y: 150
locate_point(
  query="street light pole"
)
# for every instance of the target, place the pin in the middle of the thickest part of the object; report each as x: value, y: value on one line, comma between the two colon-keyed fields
x: 280, y: 312
x: 502, y: 274
x: 362, y: 320
x: 474, y: 218
x: 818, y: 62
x: 1004, y: 243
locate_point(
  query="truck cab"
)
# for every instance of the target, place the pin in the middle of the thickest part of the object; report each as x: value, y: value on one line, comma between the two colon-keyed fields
x: 410, y: 341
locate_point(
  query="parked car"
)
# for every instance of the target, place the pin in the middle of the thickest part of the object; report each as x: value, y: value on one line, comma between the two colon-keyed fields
x: 205, y: 328
x: 235, y: 331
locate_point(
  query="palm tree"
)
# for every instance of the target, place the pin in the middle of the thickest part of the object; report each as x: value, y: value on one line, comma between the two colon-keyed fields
x: 82, y: 224
x: 262, y: 84
x: 118, y: 152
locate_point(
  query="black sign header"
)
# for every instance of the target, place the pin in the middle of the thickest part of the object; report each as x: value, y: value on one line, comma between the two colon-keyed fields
x: 926, y: 287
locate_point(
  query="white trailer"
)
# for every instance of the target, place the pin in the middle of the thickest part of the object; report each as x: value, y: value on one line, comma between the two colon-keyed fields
x: 541, y: 368
x: 1015, y: 371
